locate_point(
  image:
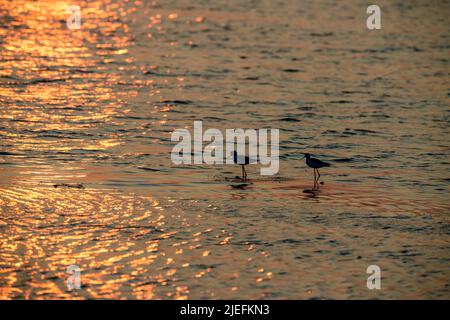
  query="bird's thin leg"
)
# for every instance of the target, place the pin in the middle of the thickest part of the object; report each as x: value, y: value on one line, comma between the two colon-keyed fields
x: 245, y: 172
x: 243, y: 177
x: 317, y: 179
x: 314, y: 177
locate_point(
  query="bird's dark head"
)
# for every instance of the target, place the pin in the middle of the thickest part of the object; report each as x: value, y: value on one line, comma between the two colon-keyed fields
x: 307, y: 155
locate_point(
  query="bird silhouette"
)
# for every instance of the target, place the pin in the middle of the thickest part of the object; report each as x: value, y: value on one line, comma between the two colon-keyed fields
x: 316, y: 164
x: 243, y: 161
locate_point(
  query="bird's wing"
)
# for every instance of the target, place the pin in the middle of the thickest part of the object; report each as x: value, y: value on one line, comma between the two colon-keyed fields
x: 324, y: 164
x: 320, y: 162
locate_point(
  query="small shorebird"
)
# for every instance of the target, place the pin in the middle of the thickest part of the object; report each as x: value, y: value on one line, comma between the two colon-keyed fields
x: 316, y: 164
x: 242, y: 160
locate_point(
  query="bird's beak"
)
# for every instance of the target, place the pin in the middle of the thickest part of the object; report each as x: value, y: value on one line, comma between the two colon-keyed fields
x: 302, y: 157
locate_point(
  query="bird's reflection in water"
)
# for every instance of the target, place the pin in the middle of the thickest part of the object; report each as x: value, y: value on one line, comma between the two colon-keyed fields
x: 314, y: 191
x: 311, y: 193
x: 240, y: 183
x: 241, y: 186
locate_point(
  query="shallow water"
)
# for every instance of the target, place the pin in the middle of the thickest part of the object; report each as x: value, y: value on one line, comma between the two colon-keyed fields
x: 97, y: 107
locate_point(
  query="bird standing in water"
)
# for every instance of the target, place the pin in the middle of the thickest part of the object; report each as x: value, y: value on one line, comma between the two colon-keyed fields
x: 316, y: 164
x: 242, y: 160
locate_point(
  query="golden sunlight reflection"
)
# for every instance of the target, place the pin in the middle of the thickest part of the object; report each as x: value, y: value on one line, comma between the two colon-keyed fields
x: 114, y: 238
x: 60, y: 86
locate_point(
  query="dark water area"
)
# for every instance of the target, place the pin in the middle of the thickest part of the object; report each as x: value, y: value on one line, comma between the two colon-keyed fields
x: 86, y: 177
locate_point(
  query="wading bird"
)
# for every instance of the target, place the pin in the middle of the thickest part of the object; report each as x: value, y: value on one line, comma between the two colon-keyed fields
x: 316, y: 164
x: 242, y: 160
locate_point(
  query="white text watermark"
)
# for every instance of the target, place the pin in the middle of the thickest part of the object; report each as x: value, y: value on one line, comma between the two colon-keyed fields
x: 213, y: 153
